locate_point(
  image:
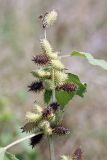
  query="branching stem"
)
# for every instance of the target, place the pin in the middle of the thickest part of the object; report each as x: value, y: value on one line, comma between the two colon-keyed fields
x: 65, y: 56
x: 51, y: 146
x: 20, y: 140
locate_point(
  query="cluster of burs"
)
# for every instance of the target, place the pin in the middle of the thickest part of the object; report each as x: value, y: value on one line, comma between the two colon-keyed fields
x: 50, y: 75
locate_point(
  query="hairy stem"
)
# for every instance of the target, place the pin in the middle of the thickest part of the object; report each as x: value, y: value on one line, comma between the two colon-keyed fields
x: 45, y: 33
x: 53, y: 90
x: 20, y: 140
x: 51, y: 146
x: 65, y: 56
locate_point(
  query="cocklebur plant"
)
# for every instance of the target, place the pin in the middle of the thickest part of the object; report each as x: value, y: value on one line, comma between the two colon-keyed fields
x: 58, y: 87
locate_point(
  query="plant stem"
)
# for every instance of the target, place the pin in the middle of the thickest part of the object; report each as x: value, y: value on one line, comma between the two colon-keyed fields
x: 53, y: 90
x: 20, y: 140
x: 65, y: 56
x: 45, y: 33
x: 51, y: 146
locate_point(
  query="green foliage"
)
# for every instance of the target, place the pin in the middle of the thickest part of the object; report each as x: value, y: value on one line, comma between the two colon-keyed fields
x: 2, y: 153
x: 5, y: 155
x: 64, y: 97
x: 98, y: 62
x: 47, y: 96
x: 81, y: 87
x: 9, y: 156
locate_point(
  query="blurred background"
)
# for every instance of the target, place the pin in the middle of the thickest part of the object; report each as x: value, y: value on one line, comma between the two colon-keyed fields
x: 82, y: 26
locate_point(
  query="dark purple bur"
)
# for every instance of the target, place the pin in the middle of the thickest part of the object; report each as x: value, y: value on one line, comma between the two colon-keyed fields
x: 46, y: 112
x: 35, y: 140
x: 60, y: 130
x: 54, y: 106
x: 36, y: 86
x: 77, y: 154
x: 40, y: 59
x: 69, y: 87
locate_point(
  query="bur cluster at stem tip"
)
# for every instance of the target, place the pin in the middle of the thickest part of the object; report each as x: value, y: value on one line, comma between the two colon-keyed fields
x: 48, y: 19
x: 49, y: 76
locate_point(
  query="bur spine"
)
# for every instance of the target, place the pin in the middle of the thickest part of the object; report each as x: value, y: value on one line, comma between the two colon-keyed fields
x: 32, y: 117
x: 50, y: 18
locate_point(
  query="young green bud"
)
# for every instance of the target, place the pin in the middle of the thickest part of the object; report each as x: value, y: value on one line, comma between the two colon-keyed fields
x: 46, y: 47
x: 53, y: 55
x: 50, y: 18
x: 41, y: 73
x: 60, y: 77
x: 48, y: 131
x: 45, y: 126
x: 32, y: 117
x: 57, y: 64
x: 48, y: 84
x: 38, y: 109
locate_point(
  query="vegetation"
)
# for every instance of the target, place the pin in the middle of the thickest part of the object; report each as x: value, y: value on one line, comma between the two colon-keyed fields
x: 58, y: 87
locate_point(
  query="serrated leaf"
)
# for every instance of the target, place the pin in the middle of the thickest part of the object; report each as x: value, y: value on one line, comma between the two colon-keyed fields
x: 63, y: 97
x: 47, y: 96
x: 9, y: 156
x: 81, y: 87
x: 98, y: 62
x: 2, y: 153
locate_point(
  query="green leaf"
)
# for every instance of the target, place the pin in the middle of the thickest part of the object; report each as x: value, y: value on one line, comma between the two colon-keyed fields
x: 5, y: 155
x: 9, y: 156
x: 81, y: 87
x: 91, y: 59
x: 63, y: 97
x: 2, y: 153
x: 47, y: 96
